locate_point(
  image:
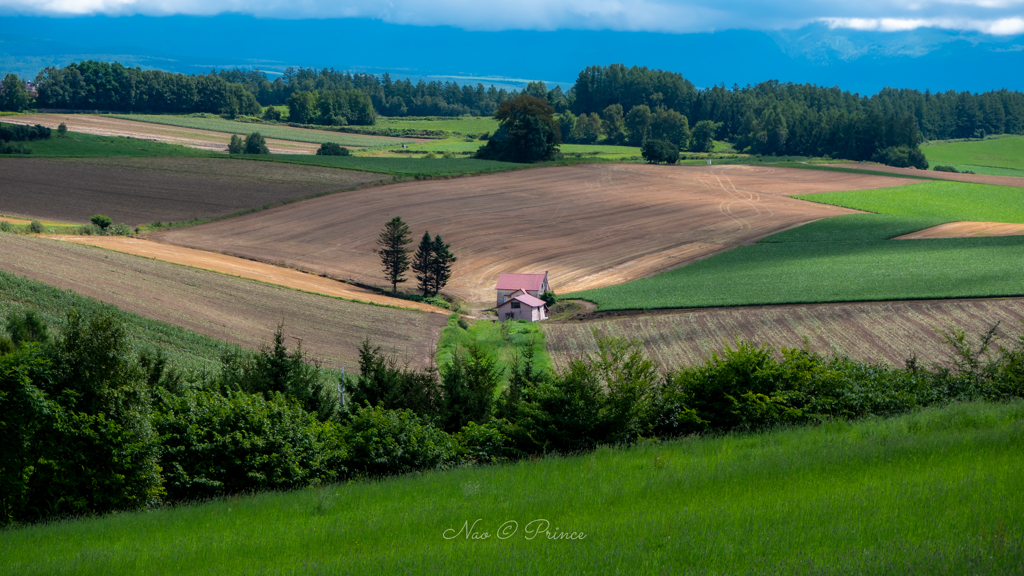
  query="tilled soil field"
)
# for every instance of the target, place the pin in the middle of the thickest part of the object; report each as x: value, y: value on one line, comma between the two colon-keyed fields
x: 217, y: 262
x: 869, y: 331
x: 966, y: 230
x: 143, y: 190
x: 191, y: 137
x: 588, y: 225
x: 1015, y: 181
x: 232, y: 309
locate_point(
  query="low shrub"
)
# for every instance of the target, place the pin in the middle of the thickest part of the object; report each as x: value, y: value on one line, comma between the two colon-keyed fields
x: 332, y: 149
x: 36, y: 227
x: 382, y: 442
x: 658, y: 151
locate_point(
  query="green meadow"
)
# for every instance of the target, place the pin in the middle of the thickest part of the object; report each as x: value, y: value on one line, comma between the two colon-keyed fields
x: 1001, y: 156
x: 852, y: 258
x: 934, y: 492
x: 460, y: 125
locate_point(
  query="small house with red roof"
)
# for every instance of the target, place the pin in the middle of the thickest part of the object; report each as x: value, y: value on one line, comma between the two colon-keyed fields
x: 532, y: 284
x: 522, y: 306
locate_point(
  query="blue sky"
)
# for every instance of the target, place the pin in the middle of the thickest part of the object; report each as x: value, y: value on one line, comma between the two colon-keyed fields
x: 861, y: 46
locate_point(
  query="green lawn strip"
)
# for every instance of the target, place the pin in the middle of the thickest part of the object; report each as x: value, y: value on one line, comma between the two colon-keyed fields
x: 986, y: 170
x: 1003, y: 152
x: 953, y: 201
x: 803, y: 272
x: 217, y: 124
x: 933, y: 493
x: 502, y: 340
x: 186, y: 349
x: 454, y: 125
x: 80, y: 145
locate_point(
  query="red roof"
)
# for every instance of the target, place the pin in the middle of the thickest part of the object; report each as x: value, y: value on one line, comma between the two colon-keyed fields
x: 526, y: 299
x: 533, y: 282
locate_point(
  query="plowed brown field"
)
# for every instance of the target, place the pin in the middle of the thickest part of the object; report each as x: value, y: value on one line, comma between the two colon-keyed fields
x: 868, y: 331
x: 1014, y: 181
x: 232, y: 309
x: 589, y: 225
x: 966, y: 230
x: 190, y: 137
x: 216, y: 262
x: 143, y: 190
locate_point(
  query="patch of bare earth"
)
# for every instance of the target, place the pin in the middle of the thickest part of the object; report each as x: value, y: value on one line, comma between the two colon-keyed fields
x: 216, y: 262
x: 143, y: 190
x: 1014, y: 181
x: 589, y: 225
x: 190, y: 137
x: 865, y: 331
x: 966, y: 230
x: 231, y: 309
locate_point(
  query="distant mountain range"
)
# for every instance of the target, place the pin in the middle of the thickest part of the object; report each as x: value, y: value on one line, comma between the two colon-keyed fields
x: 862, y: 62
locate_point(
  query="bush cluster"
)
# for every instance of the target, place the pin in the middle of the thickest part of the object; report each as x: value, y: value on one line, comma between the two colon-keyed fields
x: 91, y: 424
x: 19, y: 133
x: 332, y: 149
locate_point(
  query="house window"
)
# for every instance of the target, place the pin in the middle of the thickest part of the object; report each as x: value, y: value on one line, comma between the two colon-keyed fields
x: 515, y: 304
x: 508, y: 316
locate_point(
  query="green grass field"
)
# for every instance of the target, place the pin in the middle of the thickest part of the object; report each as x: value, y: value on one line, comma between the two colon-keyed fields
x: 79, y: 145
x: 851, y: 258
x: 459, y: 125
x: 218, y: 124
x: 185, y: 349
x: 936, y: 492
x: 982, y: 156
x: 502, y: 340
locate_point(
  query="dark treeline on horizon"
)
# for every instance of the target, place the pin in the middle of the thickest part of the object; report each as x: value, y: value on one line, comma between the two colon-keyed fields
x: 769, y: 118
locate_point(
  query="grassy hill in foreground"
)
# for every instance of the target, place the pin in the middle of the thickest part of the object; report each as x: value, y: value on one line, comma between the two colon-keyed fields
x: 934, y: 492
x: 851, y: 258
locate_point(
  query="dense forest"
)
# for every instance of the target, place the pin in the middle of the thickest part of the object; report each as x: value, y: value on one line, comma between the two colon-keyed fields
x: 611, y: 104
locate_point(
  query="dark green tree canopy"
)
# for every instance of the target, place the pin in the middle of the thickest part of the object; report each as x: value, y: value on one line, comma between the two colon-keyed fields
x: 394, y: 256
x: 528, y: 133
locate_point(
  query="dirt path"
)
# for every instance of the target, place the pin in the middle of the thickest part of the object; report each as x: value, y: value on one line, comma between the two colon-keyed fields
x: 190, y: 137
x: 242, y: 268
x: 966, y: 230
x: 588, y: 225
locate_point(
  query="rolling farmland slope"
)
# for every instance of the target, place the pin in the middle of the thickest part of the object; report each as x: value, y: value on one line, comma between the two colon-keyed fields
x: 183, y: 136
x: 144, y: 190
x: 866, y: 331
x: 235, y: 310
x: 589, y: 225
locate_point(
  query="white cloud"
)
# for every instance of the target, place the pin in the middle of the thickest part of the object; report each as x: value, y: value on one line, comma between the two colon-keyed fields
x: 1000, y: 27
x: 997, y: 17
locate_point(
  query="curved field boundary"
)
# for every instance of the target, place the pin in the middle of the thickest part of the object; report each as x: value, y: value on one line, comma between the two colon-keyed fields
x: 1014, y: 181
x: 182, y: 136
x: 589, y: 225
x: 242, y: 268
x: 866, y: 331
x: 966, y: 230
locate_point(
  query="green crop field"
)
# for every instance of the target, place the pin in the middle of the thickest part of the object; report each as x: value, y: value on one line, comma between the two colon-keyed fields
x: 947, y: 200
x: 936, y: 492
x: 1003, y: 156
x: 218, y: 124
x: 852, y: 258
x: 79, y: 145
x: 458, y: 125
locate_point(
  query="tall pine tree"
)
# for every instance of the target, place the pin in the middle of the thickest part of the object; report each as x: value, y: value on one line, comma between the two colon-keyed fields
x: 394, y: 256
x: 423, y: 264
x: 441, y: 264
